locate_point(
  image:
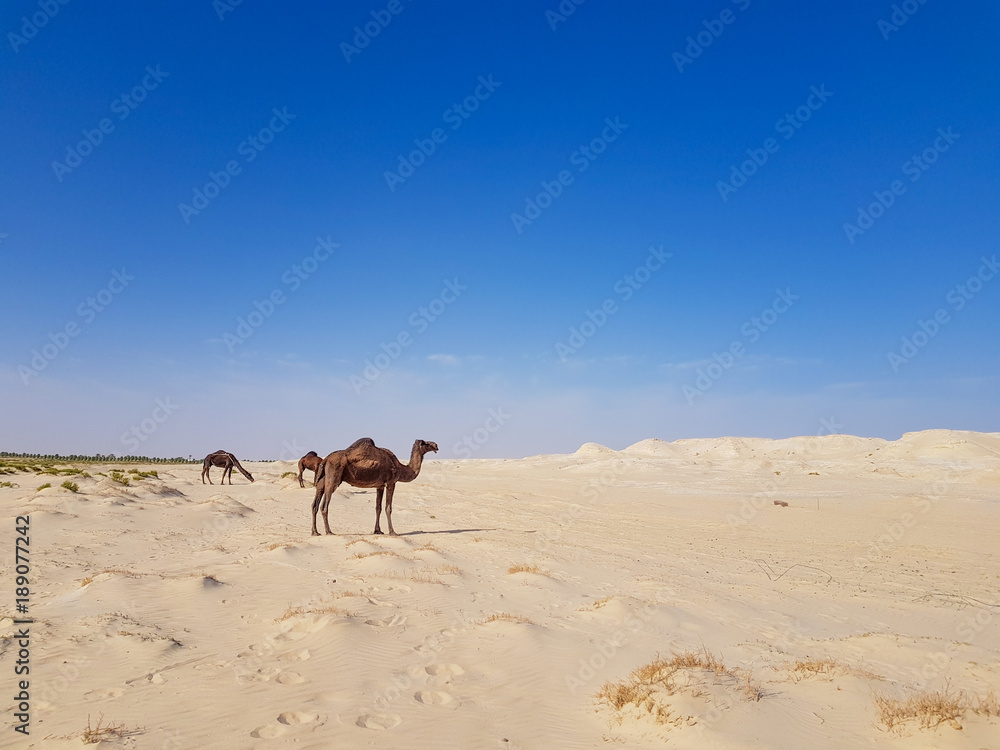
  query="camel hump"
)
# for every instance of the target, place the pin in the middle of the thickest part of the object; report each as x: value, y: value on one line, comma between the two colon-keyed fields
x: 312, y: 453
x: 362, y: 442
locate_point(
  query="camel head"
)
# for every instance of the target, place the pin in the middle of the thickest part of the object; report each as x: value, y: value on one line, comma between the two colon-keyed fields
x: 425, y: 446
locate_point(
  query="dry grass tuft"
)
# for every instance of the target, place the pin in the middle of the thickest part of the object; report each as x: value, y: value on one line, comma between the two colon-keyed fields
x: 927, y: 709
x: 812, y: 667
x: 422, y: 576
x: 429, y: 547
x: 523, y: 568
x: 597, y: 603
x: 93, y: 735
x: 931, y: 709
x: 505, y: 617
x: 988, y: 706
x: 381, y: 552
x: 324, y: 610
x: 647, y: 687
x: 418, y: 575
x: 816, y: 666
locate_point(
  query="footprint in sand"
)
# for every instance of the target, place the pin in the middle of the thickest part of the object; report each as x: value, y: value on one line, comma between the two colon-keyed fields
x: 435, y: 698
x: 290, y: 718
x: 387, y: 622
x: 268, y: 732
x: 105, y: 694
x: 290, y: 678
x: 444, y: 670
x: 302, y: 655
x: 378, y: 721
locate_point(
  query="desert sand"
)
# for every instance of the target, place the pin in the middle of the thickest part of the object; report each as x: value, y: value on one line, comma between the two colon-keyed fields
x: 197, y: 616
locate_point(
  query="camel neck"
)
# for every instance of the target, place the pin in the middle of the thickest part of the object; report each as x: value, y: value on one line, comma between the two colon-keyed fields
x: 410, y: 470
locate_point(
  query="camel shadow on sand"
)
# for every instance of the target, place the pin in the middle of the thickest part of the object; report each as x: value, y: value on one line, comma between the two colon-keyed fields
x: 444, y: 531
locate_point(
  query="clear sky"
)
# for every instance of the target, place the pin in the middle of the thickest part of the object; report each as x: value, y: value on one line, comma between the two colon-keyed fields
x: 270, y: 228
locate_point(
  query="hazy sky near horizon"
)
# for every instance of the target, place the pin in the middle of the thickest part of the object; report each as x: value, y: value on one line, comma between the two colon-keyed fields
x: 505, y: 227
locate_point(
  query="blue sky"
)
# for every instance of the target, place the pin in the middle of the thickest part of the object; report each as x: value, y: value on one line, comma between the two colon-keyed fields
x: 833, y: 102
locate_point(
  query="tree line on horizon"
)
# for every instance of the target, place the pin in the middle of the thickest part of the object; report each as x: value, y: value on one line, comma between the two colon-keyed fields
x: 100, y: 458
x: 110, y: 458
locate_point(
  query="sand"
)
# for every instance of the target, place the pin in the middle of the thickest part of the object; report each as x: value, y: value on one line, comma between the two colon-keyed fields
x: 199, y: 616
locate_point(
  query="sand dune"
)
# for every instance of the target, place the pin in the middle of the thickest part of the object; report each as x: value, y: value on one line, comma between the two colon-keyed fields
x: 519, y: 592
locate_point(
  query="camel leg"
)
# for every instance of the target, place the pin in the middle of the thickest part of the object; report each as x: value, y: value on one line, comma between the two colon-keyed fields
x: 331, y: 482
x: 388, y: 507
x: 378, y: 508
x: 316, y: 503
x: 301, y: 468
x: 229, y: 473
x: 207, y: 473
x: 315, y: 476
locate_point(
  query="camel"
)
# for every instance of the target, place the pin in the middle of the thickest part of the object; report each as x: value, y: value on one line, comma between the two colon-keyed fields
x: 363, y: 464
x: 309, y: 461
x: 226, y: 461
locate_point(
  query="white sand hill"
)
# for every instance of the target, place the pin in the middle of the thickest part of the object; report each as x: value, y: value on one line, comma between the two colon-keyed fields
x: 207, y: 617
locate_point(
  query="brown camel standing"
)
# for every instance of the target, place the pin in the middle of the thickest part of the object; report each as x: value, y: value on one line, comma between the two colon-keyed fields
x: 226, y: 461
x: 363, y: 464
x: 312, y: 462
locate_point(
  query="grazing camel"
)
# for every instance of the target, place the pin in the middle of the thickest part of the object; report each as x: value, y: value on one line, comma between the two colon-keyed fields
x: 226, y: 461
x: 363, y: 464
x: 312, y: 462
